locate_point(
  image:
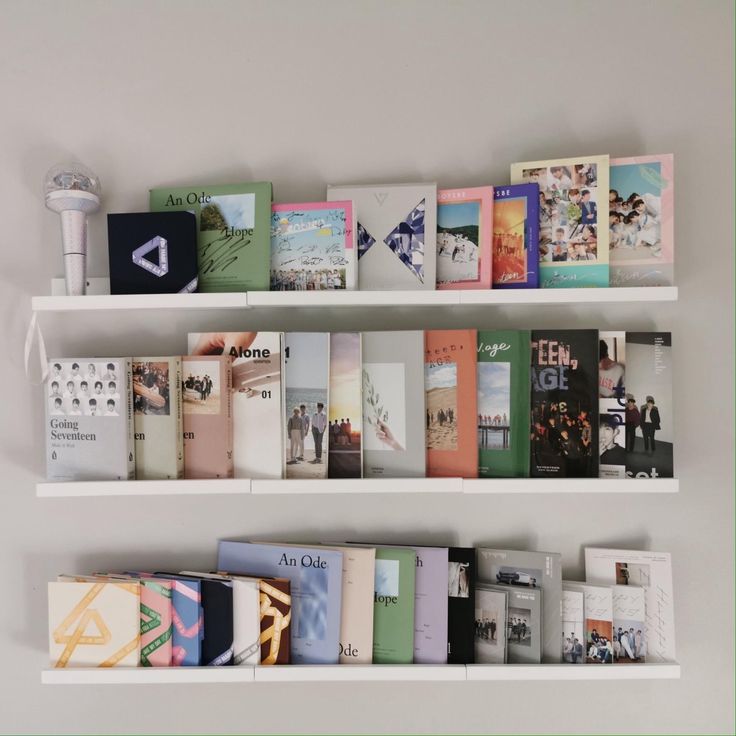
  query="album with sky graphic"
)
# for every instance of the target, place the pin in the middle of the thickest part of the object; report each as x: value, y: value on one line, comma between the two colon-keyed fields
x: 152, y: 252
x: 396, y: 228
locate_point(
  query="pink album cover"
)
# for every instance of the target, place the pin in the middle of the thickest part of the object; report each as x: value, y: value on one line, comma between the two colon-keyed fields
x: 464, y: 238
x: 641, y: 221
x: 208, y: 426
x: 156, y: 623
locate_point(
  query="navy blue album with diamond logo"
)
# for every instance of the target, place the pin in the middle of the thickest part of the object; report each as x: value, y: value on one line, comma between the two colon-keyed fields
x: 152, y: 252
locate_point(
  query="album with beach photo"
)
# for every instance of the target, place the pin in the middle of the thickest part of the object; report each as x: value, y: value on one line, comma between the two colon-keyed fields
x: 345, y: 428
x: 450, y: 384
x: 306, y: 408
x: 503, y: 403
x: 233, y: 232
x: 464, y: 228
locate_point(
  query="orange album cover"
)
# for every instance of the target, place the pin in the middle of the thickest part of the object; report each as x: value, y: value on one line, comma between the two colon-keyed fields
x: 450, y: 386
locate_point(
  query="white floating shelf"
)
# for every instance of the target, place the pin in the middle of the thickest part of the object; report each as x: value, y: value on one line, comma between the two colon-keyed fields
x: 352, y: 298
x: 145, y: 675
x: 107, y: 302
x: 546, y: 486
x: 362, y: 673
x: 359, y: 485
x: 355, y: 673
x: 506, y: 297
x: 571, y: 485
x: 657, y: 671
x: 502, y: 297
x: 143, y: 488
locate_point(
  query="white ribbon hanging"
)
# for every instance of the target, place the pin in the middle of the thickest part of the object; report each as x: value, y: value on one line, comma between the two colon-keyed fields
x: 34, y: 330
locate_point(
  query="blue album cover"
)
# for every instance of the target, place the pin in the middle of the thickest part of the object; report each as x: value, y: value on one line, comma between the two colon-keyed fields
x: 316, y: 592
x: 187, y: 618
x: 516, y: 236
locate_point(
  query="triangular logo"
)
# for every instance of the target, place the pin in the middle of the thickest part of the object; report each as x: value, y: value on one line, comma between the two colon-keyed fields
x: 381, y: 197
x: 161, y: 245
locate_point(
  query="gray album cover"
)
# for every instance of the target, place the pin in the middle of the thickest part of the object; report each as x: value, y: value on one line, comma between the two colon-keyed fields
x: 530, y: 571
x: 524, y: 616
x: 393, y: 405
x: 396, y: 228
x: 89, y: 427
x: 491, y: 604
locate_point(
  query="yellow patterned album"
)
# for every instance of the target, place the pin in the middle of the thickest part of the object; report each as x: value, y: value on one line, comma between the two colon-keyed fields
x: 94, y: 624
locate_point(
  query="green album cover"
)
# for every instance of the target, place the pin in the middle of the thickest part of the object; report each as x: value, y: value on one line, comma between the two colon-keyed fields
x: 393, y: 606
x: 233, y: 232
x: 503, y: 403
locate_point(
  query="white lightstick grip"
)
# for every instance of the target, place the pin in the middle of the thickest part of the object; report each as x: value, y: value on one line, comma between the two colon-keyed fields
x: 74, y: 244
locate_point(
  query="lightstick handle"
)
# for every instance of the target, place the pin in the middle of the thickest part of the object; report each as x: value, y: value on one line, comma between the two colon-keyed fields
x: 74, y: 244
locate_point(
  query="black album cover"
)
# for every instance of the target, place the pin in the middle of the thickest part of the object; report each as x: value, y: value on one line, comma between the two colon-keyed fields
x: 461, y: 606
x: 152, y: 252
x: 564, y: 404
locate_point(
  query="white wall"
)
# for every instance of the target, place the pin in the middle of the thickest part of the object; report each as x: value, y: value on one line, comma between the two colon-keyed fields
x: 150, y: 93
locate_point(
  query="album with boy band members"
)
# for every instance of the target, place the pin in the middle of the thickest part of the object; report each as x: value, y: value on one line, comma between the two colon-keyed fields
x: 488, y: 404
x: 157, y: 418
x: 544, y: 228
x: 89, y: 419
x: 356, y: 603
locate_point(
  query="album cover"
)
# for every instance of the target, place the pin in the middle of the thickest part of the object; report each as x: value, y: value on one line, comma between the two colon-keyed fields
x: 89, y: 419
x: 152, y: 252
x: 393, y: 608
x: 306, y: 411
x: 503, y: 403
x: 516, y: 236
x: 573, y: 626
x: 156, y: 627
x: 396, y: 233
x: 612, y: 404
x: 598, y: 606
x: 524, y: 624
x: 464, y: 229
x: 257, y: 397
x: 650, y: 425
x: 430, y: 605
x: 451, y: 388
x: 530, y: 571
x: 490, y: 624
x: 233, y: 232
x: 393, y: 405
x: 641, y: 569
x: 641, y: 221
x: 573, y: 240
x: 187, y: 616
x: 94, y: 624
x: 629, y: 624
x: 207, y: 403
x: 461, y: 576
x: 157, y: 418
x: 216, y: 596
x: 345, y: 408
x: 315, y: 575
x: 564, y: 404
x: 246, y: 616
x: 313, y: 246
